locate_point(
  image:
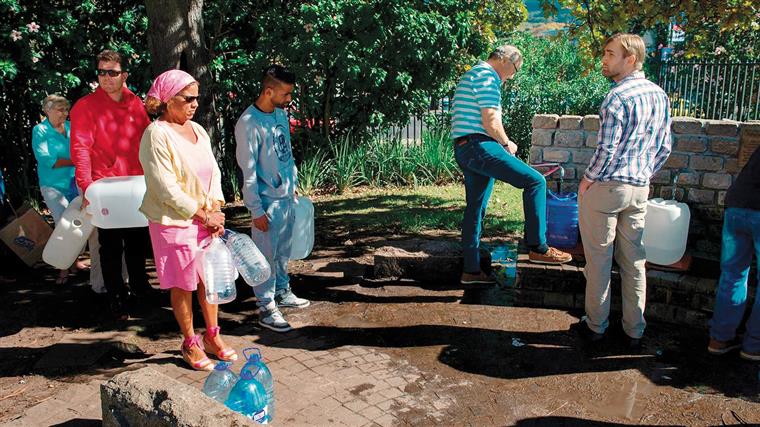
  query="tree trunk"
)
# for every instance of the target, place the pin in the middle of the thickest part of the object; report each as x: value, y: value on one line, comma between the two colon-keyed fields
x: 176, y: 40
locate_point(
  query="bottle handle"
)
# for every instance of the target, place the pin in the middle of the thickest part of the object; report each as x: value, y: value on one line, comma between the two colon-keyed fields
x: 254, y: 350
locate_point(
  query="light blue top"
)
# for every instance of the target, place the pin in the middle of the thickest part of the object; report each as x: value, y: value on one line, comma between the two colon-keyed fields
x: 265, y: 155
x: 49, y: 145
x: 480, y: 87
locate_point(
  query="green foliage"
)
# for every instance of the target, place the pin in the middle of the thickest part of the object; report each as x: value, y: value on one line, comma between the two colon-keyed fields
x: 49, y: 47
x: 553, y: 80
x: 705, y: 21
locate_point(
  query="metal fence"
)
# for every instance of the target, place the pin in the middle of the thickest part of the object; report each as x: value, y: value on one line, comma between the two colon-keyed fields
x: 712, y: 90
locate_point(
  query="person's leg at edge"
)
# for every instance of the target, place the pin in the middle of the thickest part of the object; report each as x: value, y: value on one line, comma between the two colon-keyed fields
x: 136, y: 241
x: 111, y: 251
x: 182, y: 306
x: 631, y: 257
x: 598, y: 220
x: 751, y: 344
x: 731, y: 295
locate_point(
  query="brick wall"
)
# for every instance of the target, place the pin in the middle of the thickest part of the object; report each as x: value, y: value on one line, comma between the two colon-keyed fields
x: 704, y: 157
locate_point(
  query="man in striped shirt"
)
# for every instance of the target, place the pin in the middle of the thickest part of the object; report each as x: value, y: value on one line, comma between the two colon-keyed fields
x: 484, y: 152
x: 634, y: 142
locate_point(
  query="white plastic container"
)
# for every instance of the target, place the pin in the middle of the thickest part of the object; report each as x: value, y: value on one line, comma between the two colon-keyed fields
x: 218, y: 270
x: 666, y: 230
x: 303, y: 228
x: 115, y: 202
x: 69, y: 237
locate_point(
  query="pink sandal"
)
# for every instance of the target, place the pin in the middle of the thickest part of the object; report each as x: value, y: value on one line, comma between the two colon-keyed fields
x: 204, y: 364
x: 225, y: 354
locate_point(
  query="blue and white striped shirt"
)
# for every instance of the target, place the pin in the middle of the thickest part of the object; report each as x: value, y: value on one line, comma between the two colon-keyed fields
x: 634, y: 136
x: 480, y: 87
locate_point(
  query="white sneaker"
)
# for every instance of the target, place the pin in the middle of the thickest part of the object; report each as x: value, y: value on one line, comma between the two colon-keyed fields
x: 273, y: 320
x: 289, y: 299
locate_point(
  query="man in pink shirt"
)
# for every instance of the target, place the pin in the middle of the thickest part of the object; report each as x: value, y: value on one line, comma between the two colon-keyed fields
x: 106, y: 127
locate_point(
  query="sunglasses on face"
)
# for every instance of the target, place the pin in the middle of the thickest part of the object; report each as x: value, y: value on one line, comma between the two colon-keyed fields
x: 188, y: 98
x: 111, y: 73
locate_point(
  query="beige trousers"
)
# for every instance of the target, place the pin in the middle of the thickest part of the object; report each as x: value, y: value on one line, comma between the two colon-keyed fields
x: 611, y: 218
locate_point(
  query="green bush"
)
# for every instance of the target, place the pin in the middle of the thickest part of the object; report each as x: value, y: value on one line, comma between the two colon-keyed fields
x: 553, y: 80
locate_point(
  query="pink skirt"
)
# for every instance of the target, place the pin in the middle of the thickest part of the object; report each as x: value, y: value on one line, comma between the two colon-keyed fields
x: 175, y: 249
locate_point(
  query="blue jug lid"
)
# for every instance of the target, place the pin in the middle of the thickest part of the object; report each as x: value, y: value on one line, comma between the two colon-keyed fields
x: 252, y: 354
x: 222, y: 366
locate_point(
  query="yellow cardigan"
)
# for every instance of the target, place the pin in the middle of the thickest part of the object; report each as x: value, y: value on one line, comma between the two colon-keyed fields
x: 173, y: 191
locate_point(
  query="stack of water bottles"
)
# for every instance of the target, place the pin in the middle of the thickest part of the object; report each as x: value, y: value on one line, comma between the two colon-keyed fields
x: 250, y: 393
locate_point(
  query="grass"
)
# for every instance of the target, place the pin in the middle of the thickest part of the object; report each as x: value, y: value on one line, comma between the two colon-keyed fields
x: 414, y: 210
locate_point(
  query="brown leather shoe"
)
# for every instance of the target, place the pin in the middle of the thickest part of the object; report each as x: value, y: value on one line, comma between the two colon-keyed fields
x: 552, y: 256
x: 722, y: 347
x: 476, y: 279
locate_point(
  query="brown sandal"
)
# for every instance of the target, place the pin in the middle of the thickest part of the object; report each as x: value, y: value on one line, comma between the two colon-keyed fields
x: 225, y: 354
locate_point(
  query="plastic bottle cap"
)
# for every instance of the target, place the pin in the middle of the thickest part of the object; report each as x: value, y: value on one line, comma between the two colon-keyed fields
x: 222, y: 366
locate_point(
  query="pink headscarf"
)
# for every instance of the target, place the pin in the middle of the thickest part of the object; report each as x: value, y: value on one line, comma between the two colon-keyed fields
x: 169, y: 83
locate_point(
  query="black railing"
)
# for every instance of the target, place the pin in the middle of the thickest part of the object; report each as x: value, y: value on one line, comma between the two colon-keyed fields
x: 712, y: 90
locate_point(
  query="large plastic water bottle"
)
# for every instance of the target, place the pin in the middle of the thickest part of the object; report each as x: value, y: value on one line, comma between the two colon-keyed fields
x: 115, y: 202
x: 256, y: 366
x: 218, y: 271
x: 219, y: 382
x: 69, y: 237
x: 249, y: 398
x: 562, y: 219
x: 303, y: 228
x: 505, y: 258
x: 248, y: 259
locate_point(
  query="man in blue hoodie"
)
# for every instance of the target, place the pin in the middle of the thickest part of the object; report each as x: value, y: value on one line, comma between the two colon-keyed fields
x: 270, y: 178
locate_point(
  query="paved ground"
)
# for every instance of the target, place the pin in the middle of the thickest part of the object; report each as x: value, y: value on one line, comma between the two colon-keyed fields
x: 377, y: 353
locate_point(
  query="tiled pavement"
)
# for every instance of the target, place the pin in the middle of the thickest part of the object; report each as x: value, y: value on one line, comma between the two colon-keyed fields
x: 347, y: 385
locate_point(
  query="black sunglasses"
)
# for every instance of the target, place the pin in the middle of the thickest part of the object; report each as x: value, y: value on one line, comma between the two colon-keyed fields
x: 189, y: 99
x: 112, y: 73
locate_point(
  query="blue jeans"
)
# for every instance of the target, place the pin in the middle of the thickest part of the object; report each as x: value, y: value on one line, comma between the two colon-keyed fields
x: 482, y: 160
x: 274, y: 244
x: 741, y: 236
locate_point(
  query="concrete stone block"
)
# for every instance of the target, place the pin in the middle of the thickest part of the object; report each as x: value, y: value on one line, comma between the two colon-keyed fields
x: 724, y: 145
x: 582, y: 156
x: 536, y: 155
x: 542, y: 137
x: 591, y: 122
x: 688, y: 178
x: 146, y: 397
x: 428, y: 261
x: 569, y: 138
x: 691, y: 143
x: 677, y: 161
x: 661, y: 177
x: 667, y: 191
x: 721, y: 127
x: 570, y: 122
x: 687, y: 125
x: 556, y: 155
x: 545, y: 121
x: 722, y: 198
x: 701, y: 196
x: 706, y: 163
x: 591, y: 140
x: 718, y: 181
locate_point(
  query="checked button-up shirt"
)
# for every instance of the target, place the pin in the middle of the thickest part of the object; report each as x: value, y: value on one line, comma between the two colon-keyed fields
x: 634, y: 138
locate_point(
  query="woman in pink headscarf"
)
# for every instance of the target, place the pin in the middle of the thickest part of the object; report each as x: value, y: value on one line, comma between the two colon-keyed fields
x: 182, y: 202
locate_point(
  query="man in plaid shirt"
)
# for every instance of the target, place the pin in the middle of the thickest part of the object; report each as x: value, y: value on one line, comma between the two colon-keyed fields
x: 634, y: 142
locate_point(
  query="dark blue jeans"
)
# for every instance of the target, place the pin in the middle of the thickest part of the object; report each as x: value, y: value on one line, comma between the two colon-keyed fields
x: 741, y: 238
x: 482, y: 160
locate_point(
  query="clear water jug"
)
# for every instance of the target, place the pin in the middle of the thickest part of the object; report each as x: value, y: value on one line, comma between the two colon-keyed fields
x: 561, y: 219
x: 249, y: 398
x: 115, y: 202
x: 303, y: 228
x: 259, y: 370
x: 666, y: 230
x: 505, y: 259
x: 69, y: 237
x: 220, y: 381
x: 248, y: 259
x: 218, y: 271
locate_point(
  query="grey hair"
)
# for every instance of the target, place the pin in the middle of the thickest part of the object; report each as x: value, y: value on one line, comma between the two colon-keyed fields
x: 53, y: 101
x: 507, y: 53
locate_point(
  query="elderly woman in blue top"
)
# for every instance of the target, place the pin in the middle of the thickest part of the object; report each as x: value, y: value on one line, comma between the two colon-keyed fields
x: 50, y: 143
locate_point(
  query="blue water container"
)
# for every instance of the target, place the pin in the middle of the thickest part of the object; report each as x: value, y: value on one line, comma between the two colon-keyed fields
x: 562, y: 219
